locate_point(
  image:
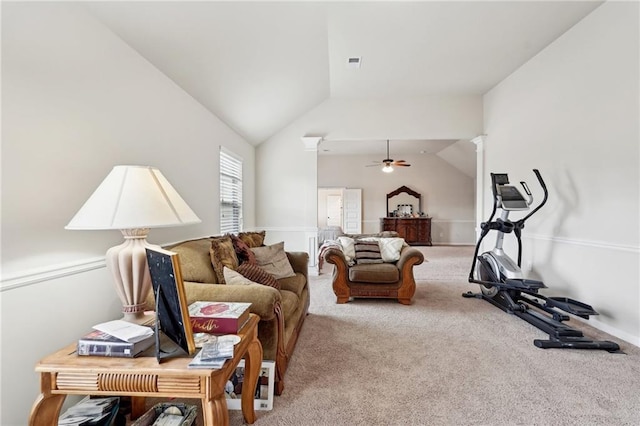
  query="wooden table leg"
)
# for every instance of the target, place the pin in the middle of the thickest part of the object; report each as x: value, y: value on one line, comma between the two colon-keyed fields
x: 214, y: 411
x: 46, y: 409
x: 138, y: 406
x: 252, y: 366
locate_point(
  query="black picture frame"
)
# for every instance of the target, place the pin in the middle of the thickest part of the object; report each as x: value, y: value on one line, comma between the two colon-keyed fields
x: 172, y: 314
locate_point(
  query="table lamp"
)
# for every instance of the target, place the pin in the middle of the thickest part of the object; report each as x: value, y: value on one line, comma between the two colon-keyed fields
x: 132, y: 199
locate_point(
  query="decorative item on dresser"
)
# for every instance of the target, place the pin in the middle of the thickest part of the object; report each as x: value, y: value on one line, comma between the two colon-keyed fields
x: 414, y: 227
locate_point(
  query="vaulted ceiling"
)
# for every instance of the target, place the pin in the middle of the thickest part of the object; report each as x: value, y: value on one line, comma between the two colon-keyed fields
x: 260, y: 65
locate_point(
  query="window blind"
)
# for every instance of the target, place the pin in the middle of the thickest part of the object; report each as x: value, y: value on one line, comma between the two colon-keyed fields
x: 230, y: 193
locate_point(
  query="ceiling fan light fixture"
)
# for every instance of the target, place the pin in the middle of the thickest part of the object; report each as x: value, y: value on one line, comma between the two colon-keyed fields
x: 388, y: 163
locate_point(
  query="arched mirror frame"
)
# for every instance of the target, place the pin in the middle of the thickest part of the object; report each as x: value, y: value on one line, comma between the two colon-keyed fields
x: 408, y: 191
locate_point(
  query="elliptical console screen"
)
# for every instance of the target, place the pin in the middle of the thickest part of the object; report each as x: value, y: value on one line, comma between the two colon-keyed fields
x: 500, y: 178
x: 510, y: 193
x: 512, y: 199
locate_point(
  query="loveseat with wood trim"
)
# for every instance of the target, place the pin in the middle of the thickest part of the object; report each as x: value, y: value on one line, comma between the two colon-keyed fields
x: 282, y: 312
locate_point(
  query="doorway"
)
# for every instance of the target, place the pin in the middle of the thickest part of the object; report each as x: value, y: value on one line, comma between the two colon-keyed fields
x: 340, y: 209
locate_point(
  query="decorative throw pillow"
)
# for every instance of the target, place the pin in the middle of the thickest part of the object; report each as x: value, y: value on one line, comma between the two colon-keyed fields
x: 195, y: 261
x: 367, y: 252
x: 243, y: 251
x: 222, y: 254
x: 389, y: 247
x: 232, y: 277
x: 253, y: 239
x: 348, y: 248
x: 274, y: 260
x: 258, y: 275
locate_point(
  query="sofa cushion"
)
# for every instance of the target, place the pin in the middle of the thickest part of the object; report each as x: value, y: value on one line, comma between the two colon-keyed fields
x: 195, y: 261
x: 243, y: 251
x: 382, y: 273
x: 348, y: 248
x: 274, y: 260
x: 295, y: 284
x: 290, y: 303
x: 367, y: 252
x: 389, y: 247
x: 253, y: 239
x: 257, y: 274
x: 232, y: 277
x: 222, y: 254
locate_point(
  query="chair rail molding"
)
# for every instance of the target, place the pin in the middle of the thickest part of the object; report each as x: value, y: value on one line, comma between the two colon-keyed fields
x: 584, y: 243
x: 52, y: 272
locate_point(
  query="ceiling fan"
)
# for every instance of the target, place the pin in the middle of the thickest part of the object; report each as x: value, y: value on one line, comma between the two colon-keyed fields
x: 390, y: 162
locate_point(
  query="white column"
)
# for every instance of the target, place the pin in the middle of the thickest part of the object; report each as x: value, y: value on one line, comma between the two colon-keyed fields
x: 479, y: 143
x: 311, y: 142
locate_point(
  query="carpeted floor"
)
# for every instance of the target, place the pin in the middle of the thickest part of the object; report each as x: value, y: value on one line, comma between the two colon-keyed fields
x: 444, y: 360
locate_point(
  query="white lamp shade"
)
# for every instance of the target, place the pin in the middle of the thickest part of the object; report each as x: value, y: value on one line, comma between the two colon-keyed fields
x: 133, y: 197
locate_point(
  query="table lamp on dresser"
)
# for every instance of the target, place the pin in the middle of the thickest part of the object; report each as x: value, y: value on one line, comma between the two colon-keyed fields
x: 132, y: 199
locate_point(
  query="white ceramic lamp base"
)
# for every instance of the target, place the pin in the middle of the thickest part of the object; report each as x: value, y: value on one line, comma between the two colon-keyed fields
x: 128, y: 264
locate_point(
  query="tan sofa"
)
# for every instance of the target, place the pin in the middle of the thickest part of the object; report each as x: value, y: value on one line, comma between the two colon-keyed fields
x: 381, y: 280
x: 282, y: 312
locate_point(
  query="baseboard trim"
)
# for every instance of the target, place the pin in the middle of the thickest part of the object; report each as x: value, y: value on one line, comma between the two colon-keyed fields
x: 614, y: 331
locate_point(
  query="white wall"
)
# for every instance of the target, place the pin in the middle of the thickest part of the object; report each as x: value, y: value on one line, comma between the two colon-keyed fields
x: 288, y: 175
x: 448, y: 195
x: 572, y: 112
x: 75, y: 102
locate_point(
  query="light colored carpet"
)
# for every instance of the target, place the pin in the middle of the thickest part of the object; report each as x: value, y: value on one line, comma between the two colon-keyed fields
x: 444, y: 360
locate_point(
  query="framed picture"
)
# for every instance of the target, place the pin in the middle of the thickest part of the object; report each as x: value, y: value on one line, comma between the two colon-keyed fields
x: 172, y: 314
x: 263, y: 396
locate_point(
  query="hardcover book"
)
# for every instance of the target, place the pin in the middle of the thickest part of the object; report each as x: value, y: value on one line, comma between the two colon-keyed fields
x: 99, y: 343
x: 218, y: 317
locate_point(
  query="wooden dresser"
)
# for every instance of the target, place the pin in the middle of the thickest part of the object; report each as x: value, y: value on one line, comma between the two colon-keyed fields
x: 416, y: 231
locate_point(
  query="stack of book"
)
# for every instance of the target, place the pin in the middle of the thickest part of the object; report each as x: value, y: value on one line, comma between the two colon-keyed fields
x: 215, y: 352
x: 218, y: 317
x: 91, y: 412
x: 116, y: 338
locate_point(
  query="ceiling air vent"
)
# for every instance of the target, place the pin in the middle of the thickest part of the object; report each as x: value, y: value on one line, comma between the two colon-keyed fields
x: 354, y: 62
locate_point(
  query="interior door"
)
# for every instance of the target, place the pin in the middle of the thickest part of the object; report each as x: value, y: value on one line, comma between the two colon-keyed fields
x: 352, y: 211
x: 334, y: 210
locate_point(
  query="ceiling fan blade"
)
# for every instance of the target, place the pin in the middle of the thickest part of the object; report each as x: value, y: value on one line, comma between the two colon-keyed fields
x: 389, y: 162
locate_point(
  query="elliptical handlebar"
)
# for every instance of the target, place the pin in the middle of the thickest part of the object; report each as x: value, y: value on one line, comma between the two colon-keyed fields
x: 544, y: 199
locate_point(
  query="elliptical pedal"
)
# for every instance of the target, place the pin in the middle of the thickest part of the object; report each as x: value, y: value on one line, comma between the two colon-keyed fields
x: 524, y: 284
x: 606, y: 345
x: 571, y: 306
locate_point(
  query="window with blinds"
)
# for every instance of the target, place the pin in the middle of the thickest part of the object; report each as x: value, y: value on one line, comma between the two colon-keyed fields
x: 230, y: 193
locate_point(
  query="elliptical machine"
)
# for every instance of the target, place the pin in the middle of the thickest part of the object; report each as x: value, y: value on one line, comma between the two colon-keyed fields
x: 503, y: 284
